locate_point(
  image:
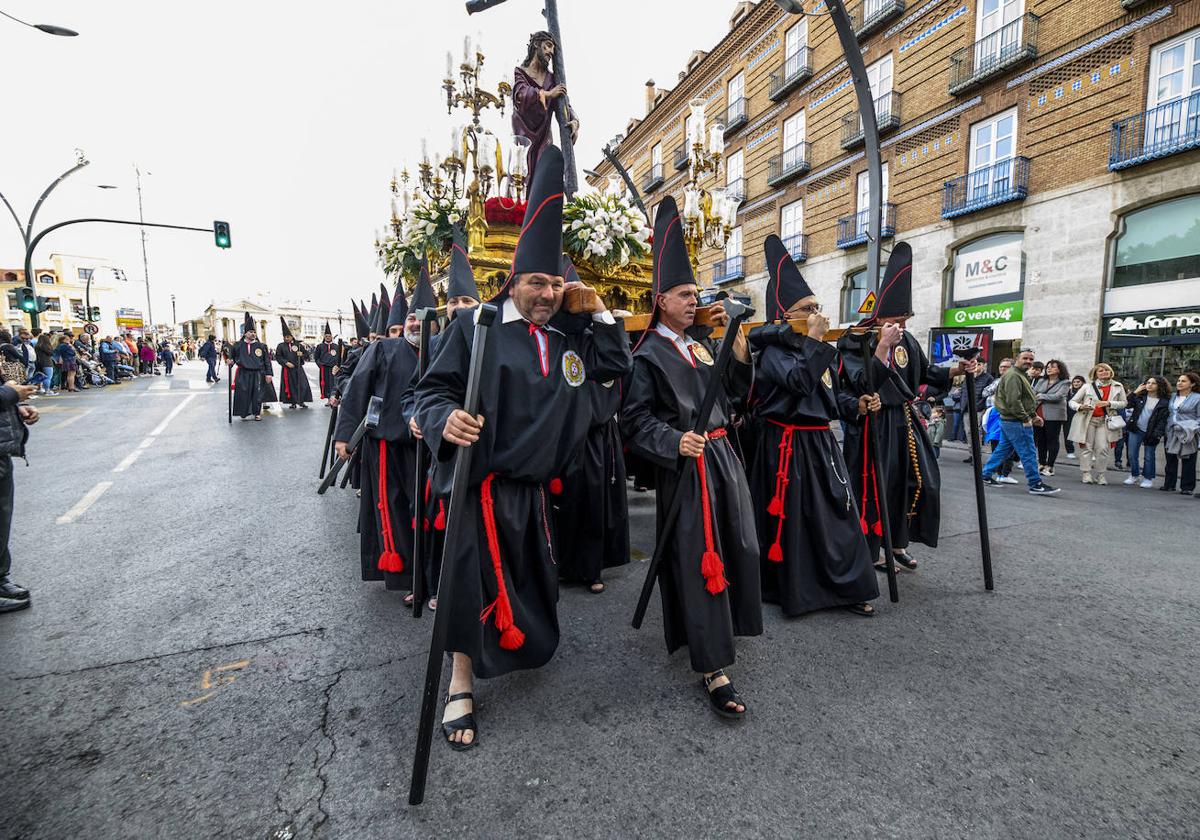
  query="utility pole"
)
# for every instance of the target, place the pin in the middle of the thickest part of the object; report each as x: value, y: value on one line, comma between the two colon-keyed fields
x: 145, y: 263
x: 174, y: 320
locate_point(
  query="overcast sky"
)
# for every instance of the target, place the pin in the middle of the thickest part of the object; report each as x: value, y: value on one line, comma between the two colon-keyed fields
x: 284, y: 119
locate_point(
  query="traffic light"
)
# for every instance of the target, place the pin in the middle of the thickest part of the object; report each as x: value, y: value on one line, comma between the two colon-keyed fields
x: 221, y: 234
x: 94, y: 313
x: 27, y: 300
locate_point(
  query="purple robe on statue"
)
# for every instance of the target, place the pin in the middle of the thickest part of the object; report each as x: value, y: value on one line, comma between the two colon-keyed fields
x: 530, y: 117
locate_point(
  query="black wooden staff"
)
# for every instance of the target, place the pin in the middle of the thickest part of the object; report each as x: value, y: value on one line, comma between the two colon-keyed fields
x: 885, y: 520
x: 427, y: 317
x: 229, y: 399
x: 737, y: 313
x: 985, y: 542
x: 328, y: 441
x: 455, y: 522
x: 370, y: 421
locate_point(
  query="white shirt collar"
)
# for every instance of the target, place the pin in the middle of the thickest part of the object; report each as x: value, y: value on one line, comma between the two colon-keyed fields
x: 666, y: 332
x: 509, y: 313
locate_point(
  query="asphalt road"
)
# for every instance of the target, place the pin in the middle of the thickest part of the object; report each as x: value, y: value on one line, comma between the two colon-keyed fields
x: 201, y: 660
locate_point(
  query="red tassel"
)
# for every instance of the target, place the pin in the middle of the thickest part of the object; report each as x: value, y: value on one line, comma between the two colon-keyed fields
x: 440, y: 522
x: 390, y: 561
x: 511, y: 637
x: 714, y: 572
x: 556, y: 487
x: 862, y: 522
x: 775, y: 508
x: 878, y: 529
x: 775, y: 553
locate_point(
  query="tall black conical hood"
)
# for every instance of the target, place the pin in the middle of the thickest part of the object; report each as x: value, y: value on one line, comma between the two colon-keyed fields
x: 398, y: 310
x: 286, y: 330
x: 461, y: 282
x: 248, y: 324
x: 895, y: 289
x: 327, y: 331
x: 381, y: 313
x: 423, y: 296
x: 539, y: 246
x: 786, y: 285
x: 361, y: 328
x: 373, y: 313
x: 672, y: 265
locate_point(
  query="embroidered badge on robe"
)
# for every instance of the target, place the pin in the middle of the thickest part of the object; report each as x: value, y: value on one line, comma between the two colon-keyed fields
x: 701, y: 353
x: 901, y: 356
x: 257, y: 351
x: 827, y: 379
x: 573, y: 370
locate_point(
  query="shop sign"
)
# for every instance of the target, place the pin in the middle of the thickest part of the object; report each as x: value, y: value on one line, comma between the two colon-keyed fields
x: 1007, y: 312
x: 1156, y: 324
x: 988, y: 272
x: 130, y: 319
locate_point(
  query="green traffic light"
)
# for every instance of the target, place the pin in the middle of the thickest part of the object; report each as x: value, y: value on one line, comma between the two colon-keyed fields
x: 221, y: 234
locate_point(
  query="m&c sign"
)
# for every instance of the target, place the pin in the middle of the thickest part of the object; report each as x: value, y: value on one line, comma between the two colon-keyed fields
x: 988, y: 272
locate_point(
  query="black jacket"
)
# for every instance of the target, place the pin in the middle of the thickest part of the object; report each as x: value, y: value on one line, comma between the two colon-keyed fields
x: 1156, y: 428
x: 13, y: 433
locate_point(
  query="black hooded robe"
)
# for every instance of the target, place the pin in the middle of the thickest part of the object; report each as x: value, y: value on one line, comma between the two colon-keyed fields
x: 664, y: 395
x: 387, y: 461
x: 326, y: 356
x: 913, y: 488
x: 536, y: 415
x: 293, y: 381
x: 432, y: 505
x: 814, y: 554
x: 252, y: 363
x: 591, y: 512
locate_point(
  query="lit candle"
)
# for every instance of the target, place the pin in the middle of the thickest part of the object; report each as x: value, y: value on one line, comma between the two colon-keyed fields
x: 449, y: 65
x: 424, y: 150
x: 691, y: 203
x: 453, y: 142
x: 479, y: 40
x: 697, y: 107
x: 395, y: 215
x: 716, y: 139
x: 466, y: 49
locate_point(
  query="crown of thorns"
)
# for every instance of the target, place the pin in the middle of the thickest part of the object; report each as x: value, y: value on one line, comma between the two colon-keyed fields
x: 538, y: 37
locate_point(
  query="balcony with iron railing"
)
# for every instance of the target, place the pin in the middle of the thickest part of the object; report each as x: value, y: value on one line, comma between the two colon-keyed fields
x: 681, y: 157
x: 853, y: 230
x: 736, y: 187
x: 1156, y: 133
x: 887, y: 117
x: 791, y: 163
x: 653, y: 179
x: 1133, y: 4
x: 728, y: 270
x: 871, y: 15
x: 797, y: 246
x: 1000, y: 183
x: 736, y: 114
x: 795, y: 71
x: 990, y: 56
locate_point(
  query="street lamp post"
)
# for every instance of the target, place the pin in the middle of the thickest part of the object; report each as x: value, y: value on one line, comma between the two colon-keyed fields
x: 145, y: 262
x: 48, y: 28
x: 174, y: 320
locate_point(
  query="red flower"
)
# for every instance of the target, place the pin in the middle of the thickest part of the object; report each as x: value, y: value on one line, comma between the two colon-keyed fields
x: 504, y: 211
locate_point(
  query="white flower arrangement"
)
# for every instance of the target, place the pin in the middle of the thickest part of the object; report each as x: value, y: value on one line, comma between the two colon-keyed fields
x: 605, y: 231
x: 425, y: 229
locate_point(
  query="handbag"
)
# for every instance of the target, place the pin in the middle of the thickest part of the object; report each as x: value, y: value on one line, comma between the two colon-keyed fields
x: 1115, y: 421
x: 12, y: 371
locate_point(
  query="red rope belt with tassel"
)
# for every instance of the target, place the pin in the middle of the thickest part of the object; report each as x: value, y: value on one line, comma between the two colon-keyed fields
x: 876, y: 527
x: 777, y: 505
x: 389, y: 559
x: 711, y: 566
x: 511, y: 637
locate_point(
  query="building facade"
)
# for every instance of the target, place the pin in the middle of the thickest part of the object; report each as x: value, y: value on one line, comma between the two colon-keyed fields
x: 1042, y: 157
x: 68, y: 285
x: 224, y: 320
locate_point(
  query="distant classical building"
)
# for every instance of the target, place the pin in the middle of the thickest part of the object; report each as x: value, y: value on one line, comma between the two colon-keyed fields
x: 224, y: 320
x: 1041, y: 157
x: 65, y: 286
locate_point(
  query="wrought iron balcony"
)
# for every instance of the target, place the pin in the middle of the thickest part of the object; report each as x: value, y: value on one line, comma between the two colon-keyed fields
x: 852, y: 230
x: 793, y: 162
x: 728, y: 270
x: 1165, y: 130
x: 797, y: 245
x: 796, y: 70
x: 1008, y: 46
x: 654, y: 178
x: 681, y: 157
x: 887, y: 117
x: 736, y: 114
x: 736, y: 187
x: 1133, y: 4
x: 1006, y: 181
x: 871, y: 15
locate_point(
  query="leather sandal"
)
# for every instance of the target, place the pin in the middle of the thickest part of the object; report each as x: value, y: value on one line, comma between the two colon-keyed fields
x: 906, y: 561
x: 461, y: 724
x: 720, y: 698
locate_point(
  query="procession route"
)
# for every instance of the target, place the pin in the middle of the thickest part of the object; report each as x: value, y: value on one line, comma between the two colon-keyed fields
x: 83, y: 504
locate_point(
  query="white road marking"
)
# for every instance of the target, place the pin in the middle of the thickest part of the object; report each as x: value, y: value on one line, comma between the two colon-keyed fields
x: 83, y: 504
x: 128, y: 460
x: 158, y: 430
x: 197, y: 385
x: 160, y: 386
x: 71, y: 420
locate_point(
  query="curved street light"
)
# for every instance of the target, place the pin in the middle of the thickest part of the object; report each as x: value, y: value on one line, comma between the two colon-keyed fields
x: 48, y: 28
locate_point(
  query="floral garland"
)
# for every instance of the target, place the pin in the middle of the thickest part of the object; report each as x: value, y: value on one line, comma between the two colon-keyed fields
x: 426, y: 229
x: 604, y: 231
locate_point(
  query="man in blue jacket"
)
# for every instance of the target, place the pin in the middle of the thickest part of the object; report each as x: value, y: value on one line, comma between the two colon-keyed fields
x: 108, y: 357
x: 208, y: 352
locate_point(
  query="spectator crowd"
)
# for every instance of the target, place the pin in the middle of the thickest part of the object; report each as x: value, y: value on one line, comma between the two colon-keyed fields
x: 55, y: 361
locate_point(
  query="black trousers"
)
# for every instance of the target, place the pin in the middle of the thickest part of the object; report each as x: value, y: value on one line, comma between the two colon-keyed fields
x: 1048, y: 437
x: 110, y: 367
x: 1187, y: 474
x: 6, y: 512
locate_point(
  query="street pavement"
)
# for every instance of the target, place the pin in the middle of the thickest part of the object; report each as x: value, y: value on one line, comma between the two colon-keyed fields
x: 202, y: 660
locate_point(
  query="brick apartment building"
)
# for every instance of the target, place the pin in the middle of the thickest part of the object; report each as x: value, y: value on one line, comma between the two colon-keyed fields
x: 1042, y: 157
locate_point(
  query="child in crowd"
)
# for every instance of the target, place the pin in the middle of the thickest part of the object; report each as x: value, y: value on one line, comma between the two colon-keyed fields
x: 937, y: 429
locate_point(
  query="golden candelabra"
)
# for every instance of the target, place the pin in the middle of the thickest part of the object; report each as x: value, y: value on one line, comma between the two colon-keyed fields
x: 708, y: 214
x: 471, y: 95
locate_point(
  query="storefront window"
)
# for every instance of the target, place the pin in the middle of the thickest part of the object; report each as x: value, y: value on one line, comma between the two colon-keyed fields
x: 1159, y: 243
x: 854, y: 292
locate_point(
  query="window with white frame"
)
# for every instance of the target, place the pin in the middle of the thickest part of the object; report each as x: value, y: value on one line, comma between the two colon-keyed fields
x: 794, y: 40
x: 791, y: 226
x: 879, y: 78
x: 734, y: 183
x: 854, y: 292
x: 1173, y: 98
x: 793, y: 137
x: 735, y: 94
x: 863, y: 200
x: 993, y: 146
x: 733, y: 253
x: 656, y: 161
x: 997, y: 30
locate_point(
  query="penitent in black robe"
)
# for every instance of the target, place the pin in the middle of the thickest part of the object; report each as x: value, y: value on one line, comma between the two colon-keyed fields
x: 536, y: 415
x: 913, y: 480
x: 293, y: 381
x: 814, y: 554
x: 591, y: 511
x: 430, y: 506
x: 388, y: 461
x: 327, y: 358
x: 252, y: 362
x: 664, y: 396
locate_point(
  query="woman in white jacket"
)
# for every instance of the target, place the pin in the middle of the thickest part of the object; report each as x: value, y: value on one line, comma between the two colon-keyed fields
x: 1091, y: 427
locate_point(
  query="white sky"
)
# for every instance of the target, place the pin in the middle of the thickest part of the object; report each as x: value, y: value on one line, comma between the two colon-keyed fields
x: 283, y: 119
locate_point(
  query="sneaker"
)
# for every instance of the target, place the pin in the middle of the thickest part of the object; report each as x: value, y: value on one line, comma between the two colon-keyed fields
x: 1043, y: 489
x: 1102, y: 479
x: 1049, y: 471
x: 1007, y: 479
x: 991, y: 481
x: 1087, y: 478
x: 1131, y: 480
x: 1071, y: 456
x: 1147, y: 483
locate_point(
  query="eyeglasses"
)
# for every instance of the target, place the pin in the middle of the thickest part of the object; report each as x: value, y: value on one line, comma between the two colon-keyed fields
x: 811, y: 308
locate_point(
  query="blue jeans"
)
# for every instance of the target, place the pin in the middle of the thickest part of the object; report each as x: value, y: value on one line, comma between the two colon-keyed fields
x: 1144, y: 466
x: 47, y: 377
x: 1015, y: 435
x: 211, y: 375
